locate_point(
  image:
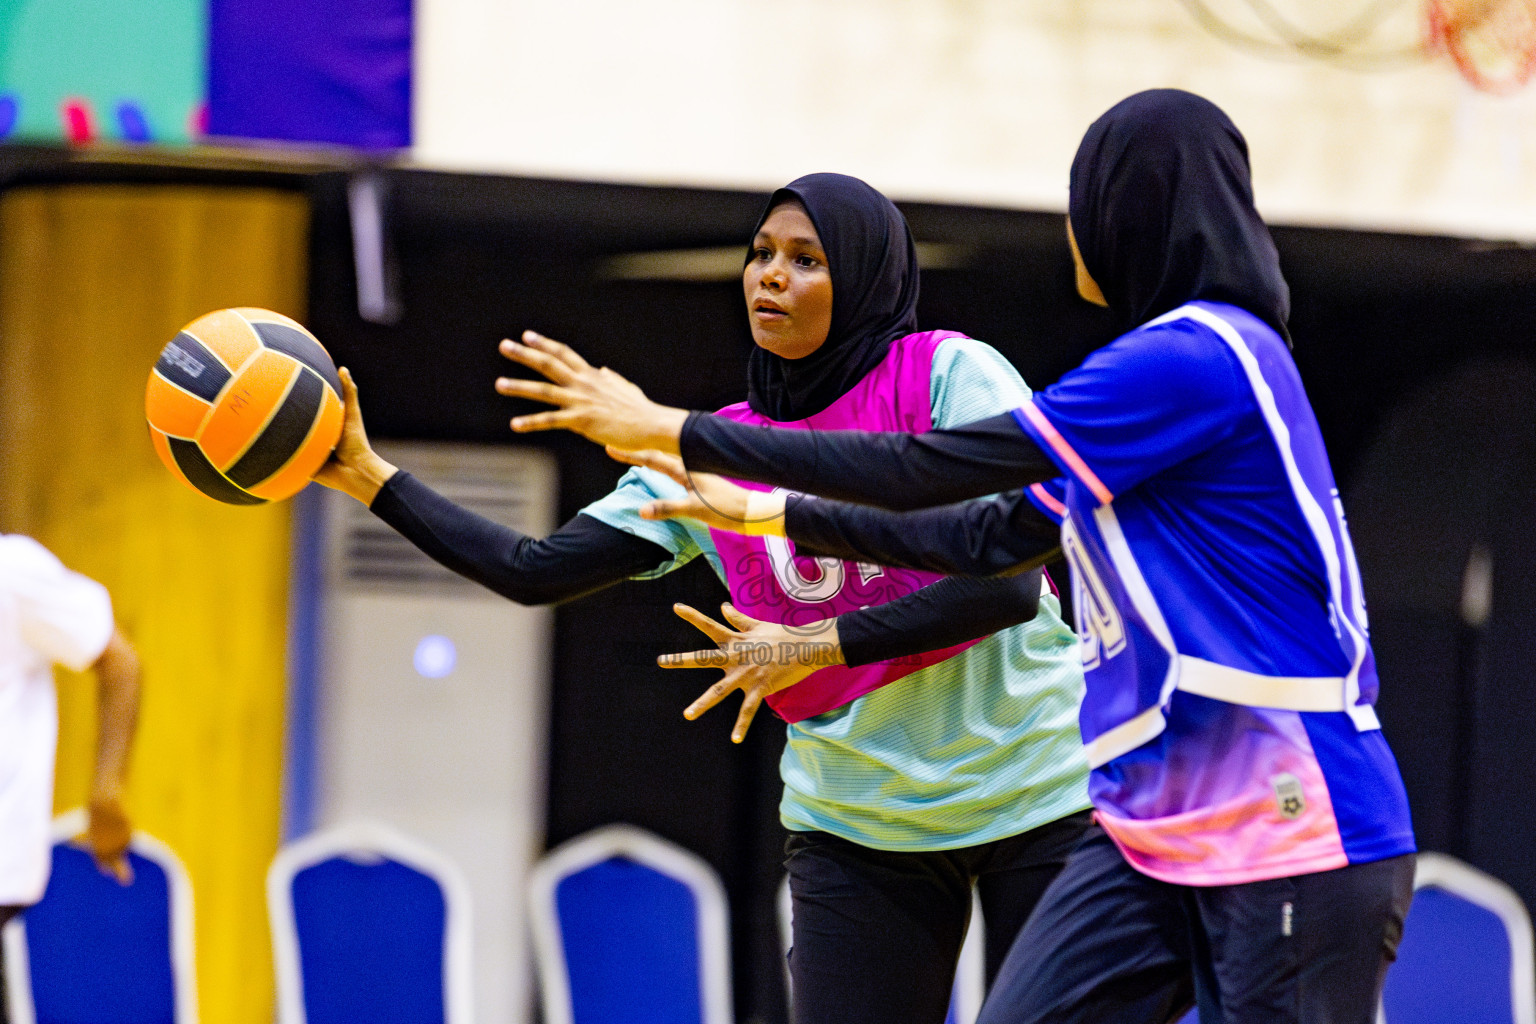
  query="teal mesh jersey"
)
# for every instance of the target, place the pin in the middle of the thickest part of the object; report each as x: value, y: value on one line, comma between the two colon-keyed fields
x: 979, y: 747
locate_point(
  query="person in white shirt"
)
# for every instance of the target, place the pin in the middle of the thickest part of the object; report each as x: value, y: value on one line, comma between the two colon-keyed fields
x: 50, y: 615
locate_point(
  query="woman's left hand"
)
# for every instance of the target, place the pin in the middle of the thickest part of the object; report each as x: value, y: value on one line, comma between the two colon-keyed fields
x: 711, y: 500
x: 759, y: 658
x: 593, y: 401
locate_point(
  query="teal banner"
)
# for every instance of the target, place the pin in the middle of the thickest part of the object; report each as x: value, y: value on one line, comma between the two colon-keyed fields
x: 81, y: 70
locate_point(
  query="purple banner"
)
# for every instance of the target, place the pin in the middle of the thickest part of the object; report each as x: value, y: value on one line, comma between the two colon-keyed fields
x: 332, y: 71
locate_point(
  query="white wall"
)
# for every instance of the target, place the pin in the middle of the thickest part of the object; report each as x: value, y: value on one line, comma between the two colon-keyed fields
x: 968, y: 100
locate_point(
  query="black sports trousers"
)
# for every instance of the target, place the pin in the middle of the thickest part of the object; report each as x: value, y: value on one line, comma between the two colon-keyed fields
x: 1109, y: 945
x: 6, y: 913
x: 876, y: 934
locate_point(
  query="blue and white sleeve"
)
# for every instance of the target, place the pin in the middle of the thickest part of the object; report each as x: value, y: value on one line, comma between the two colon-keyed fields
x: 1145, y: 402
x: 1050, y: 497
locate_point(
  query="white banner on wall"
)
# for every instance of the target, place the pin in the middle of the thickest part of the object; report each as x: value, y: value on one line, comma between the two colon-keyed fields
x: 978, y: 101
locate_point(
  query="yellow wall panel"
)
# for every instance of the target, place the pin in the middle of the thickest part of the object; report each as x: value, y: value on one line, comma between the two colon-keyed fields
x: 94, y: 280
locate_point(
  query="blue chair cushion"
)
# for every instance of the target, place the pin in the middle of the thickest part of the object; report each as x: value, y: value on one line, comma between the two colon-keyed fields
x: 631, y: 945
x: 370, y: 943
x: 1453, y: 964
x: 100, y: 952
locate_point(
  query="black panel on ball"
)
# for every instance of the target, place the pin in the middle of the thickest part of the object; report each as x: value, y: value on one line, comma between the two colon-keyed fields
x: 201, y: 474
x: 283, y: 434
x: 302, y: 347
x: 191, y: 367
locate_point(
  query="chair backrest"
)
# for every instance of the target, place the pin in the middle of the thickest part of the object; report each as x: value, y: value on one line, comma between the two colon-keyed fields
x: 630, y: 929
x: 368, y: 924
x: 93, y: 950
x: 1466, y: 954
x: 970, y: 973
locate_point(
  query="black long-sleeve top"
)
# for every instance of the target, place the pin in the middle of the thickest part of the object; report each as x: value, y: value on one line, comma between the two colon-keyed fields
x: 896, y: 480
x: 586, y: 555
x: 1005, y: 534
x: 888, y: 470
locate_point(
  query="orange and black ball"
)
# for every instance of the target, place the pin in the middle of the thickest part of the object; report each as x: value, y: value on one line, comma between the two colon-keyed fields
x: 244, y: 405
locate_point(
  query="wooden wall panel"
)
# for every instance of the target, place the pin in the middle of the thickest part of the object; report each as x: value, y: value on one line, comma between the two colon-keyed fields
x: 93, y: 281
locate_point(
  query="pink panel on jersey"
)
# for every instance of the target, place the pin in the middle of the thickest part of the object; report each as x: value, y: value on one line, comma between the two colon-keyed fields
x: 768, y: 581
x: 1265, y: 811
x: 1048, y: 500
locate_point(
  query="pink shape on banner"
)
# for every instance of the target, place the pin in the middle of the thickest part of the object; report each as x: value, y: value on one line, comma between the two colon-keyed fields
x: 197, y: 120
x: 79, y: 122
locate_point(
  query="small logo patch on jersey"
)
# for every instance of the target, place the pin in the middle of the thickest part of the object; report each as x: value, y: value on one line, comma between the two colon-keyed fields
x: 1289, y: 798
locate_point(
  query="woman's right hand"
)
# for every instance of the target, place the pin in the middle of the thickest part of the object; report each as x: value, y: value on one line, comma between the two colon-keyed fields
x: 759, y: 658
x: 592, y: 401
x: 712, y: 500
x: 354, y: 467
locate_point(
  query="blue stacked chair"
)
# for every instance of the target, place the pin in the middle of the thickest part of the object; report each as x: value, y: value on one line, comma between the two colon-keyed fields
x: 1466, y: 955
x: 94, y: 951
x: 630, y: 929
x: 369, y: 926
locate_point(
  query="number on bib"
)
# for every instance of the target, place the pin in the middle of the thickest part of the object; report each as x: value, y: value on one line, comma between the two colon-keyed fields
x: 1100, y: 630
x: 824, y: 587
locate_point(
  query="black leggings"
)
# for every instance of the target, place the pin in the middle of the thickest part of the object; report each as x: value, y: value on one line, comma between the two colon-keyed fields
x: 877, y: 935
x: 1109, y: 945
x: 6, y: 913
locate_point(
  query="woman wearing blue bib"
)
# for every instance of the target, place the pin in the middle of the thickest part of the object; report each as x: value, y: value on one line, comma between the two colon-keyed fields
x: 1253, y: 848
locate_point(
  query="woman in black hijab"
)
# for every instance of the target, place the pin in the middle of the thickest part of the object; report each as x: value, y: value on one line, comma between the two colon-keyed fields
x: 873, y: 268
x: 964, y: 771
x: 1161, y: 212
x: 1252, y: 848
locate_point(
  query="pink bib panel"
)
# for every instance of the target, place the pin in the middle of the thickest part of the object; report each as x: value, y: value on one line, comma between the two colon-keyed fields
x: 767, y: 580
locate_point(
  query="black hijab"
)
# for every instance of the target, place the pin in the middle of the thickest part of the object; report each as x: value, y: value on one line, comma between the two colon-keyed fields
x: 874, y: 296
x: 1162, y: 210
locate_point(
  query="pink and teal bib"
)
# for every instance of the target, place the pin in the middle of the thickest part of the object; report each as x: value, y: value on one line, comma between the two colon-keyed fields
x: 767, y: 580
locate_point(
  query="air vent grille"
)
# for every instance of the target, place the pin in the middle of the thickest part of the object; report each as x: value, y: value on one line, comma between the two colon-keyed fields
x: 513, y: 487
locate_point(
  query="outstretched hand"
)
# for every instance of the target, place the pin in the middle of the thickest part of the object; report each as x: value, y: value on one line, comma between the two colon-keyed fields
x: 759, y: 658
x: 712, y: 500
x: 592, y: 401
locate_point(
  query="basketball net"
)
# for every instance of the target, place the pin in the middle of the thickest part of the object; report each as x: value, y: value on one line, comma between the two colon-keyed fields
x: 1493, y: 42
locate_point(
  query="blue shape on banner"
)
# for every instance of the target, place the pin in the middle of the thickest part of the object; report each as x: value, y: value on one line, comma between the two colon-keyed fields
x: 301, y: 71
x: 131, y: 122
x: 10, y: 112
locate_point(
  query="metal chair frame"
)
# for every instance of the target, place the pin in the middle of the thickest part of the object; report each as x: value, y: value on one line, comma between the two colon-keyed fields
x: 651, y: 851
